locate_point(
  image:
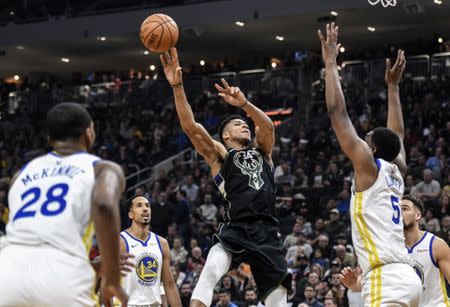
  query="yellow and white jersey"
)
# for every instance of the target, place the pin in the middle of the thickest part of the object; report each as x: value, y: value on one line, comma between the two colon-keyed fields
x: 50, y: 203
x: 433, y: 281
x: 143, y: 284
x: 377, y: 224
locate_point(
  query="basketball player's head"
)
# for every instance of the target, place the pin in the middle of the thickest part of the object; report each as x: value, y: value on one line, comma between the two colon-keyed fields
x: 139, y: 210
x: 412, y: 211
x: 234, y: 129
x: 385, y: 144
x: 70, y: 122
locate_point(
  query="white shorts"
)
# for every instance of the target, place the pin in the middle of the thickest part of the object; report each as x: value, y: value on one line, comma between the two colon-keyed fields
x: 392, y: 285
x: 44, y: 276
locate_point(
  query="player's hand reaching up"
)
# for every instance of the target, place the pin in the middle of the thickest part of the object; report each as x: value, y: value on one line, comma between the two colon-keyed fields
x: 232, y: 95
x: 330, y: 47
x: 172, y: 69
x: 394, y: 74
x: 349, y: 277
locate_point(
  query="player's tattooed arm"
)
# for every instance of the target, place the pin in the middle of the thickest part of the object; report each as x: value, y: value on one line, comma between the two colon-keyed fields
x: 392, y: 77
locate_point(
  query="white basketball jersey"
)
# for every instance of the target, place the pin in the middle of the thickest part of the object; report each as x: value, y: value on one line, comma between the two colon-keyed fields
x: 50, y: 203
x: 433, y: 281
x: 143, y: 284
x: 377, y: 225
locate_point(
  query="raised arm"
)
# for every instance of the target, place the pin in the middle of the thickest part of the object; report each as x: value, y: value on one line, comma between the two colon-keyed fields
x: 108, y: 187
x: 353, y: 146
x: 395, y: 116
x: 265, y: 129
x: 210, y: 149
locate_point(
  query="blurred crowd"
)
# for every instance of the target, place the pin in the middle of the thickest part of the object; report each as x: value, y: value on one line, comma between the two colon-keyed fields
x: 312, y: 174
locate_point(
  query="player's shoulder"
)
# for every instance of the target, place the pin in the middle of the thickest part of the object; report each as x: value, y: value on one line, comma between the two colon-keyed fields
x: 164, y: 243
x: 101, y: 165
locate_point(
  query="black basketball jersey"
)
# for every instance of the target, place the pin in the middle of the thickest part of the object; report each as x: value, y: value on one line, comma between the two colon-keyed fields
x: 247, y: 184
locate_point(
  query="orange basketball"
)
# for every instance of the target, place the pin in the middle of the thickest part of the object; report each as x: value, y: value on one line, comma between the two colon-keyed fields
x: 159, y: 33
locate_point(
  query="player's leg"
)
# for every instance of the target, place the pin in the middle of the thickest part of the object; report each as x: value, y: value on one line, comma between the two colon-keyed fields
x: 277, y: 298
x: 13, y: 278
x: 217, y: 264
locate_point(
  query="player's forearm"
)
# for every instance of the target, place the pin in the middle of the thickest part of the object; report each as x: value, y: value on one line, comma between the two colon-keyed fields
x: 107, y: 229
x: 260, y: 118
x: 395, y: 116
x: 172, y: 295
x: 334, y: 95
x: 184, y: 110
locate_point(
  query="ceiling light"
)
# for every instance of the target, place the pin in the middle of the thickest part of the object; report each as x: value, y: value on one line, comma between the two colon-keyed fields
x: 16, y: 77
x: 440, y: 40
x: 334, y: 13
x: 152, y: 67
x: 20, y: 47
x: 146, y: 52
x: 274, y: 65
x: 240, y: 23
x: 65, y: 60
x: 147, y: 77
x: 11, y: 13
x: 102, y: 38
x: 438, y: 1
x: 280, y: 38
x: 371, y: 29
x: 342, y: 49
x: 202, y: 63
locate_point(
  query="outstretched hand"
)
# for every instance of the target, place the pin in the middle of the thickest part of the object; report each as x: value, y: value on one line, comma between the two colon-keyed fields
x: 394, y: 74
x: 330, y: 47
x: 232, y: 95
x: 349, y: 277
x: 172, y: 69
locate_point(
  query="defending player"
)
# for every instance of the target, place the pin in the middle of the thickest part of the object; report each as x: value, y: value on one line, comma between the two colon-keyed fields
x: 243, y: 172
x: 431, y: 256
x: 379, y: 166
x: 152, y: 256
x: 55, y: 202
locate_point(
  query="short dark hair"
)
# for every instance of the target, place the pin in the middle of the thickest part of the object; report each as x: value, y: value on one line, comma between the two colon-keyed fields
x: 130, y: 200
x: 225, y: 291
x: 387, y: 144
x: 225, y: 122
x: 416, y: 202
x: 67, y: 120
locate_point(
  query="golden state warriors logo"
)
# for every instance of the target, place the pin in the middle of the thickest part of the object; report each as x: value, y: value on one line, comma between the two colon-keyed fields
x: 147, y: 269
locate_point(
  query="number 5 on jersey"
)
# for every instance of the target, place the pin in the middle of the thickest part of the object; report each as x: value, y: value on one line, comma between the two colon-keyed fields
x: 55, y: 194
x: 396, y: 214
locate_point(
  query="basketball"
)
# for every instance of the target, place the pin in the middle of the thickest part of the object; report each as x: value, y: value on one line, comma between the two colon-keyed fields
x: 159, y: 33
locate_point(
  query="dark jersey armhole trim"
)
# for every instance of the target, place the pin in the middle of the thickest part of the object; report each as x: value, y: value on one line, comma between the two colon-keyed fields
x: 126, y: 243
x: 159, y: 244
x: 430, y: 249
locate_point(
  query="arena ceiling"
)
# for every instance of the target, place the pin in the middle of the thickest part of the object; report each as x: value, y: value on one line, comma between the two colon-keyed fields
x: 410, y: 21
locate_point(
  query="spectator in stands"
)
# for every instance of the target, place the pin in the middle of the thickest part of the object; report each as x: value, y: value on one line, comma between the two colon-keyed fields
x: 229, y: 285
x: 445, y: 228
x: 310, y: 297
x: 444, y: 206
x: 347, y: 259
x: 286, y: 177
x: 225, y: 299
x: 185, y: 294
x: 195, y: 258
x: 301, y: 180
x: 335, y: 226
x: 209, y: 209
x: 164, y: 212
x: 297, y: 229
x: 178, y: 253
x: 322, y: 288
x: 191, y: 188
x: 182, y: 215
x: 317, y: 178
x: 428, y: 190
x: 250, y: 297
x: 330, y: 302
